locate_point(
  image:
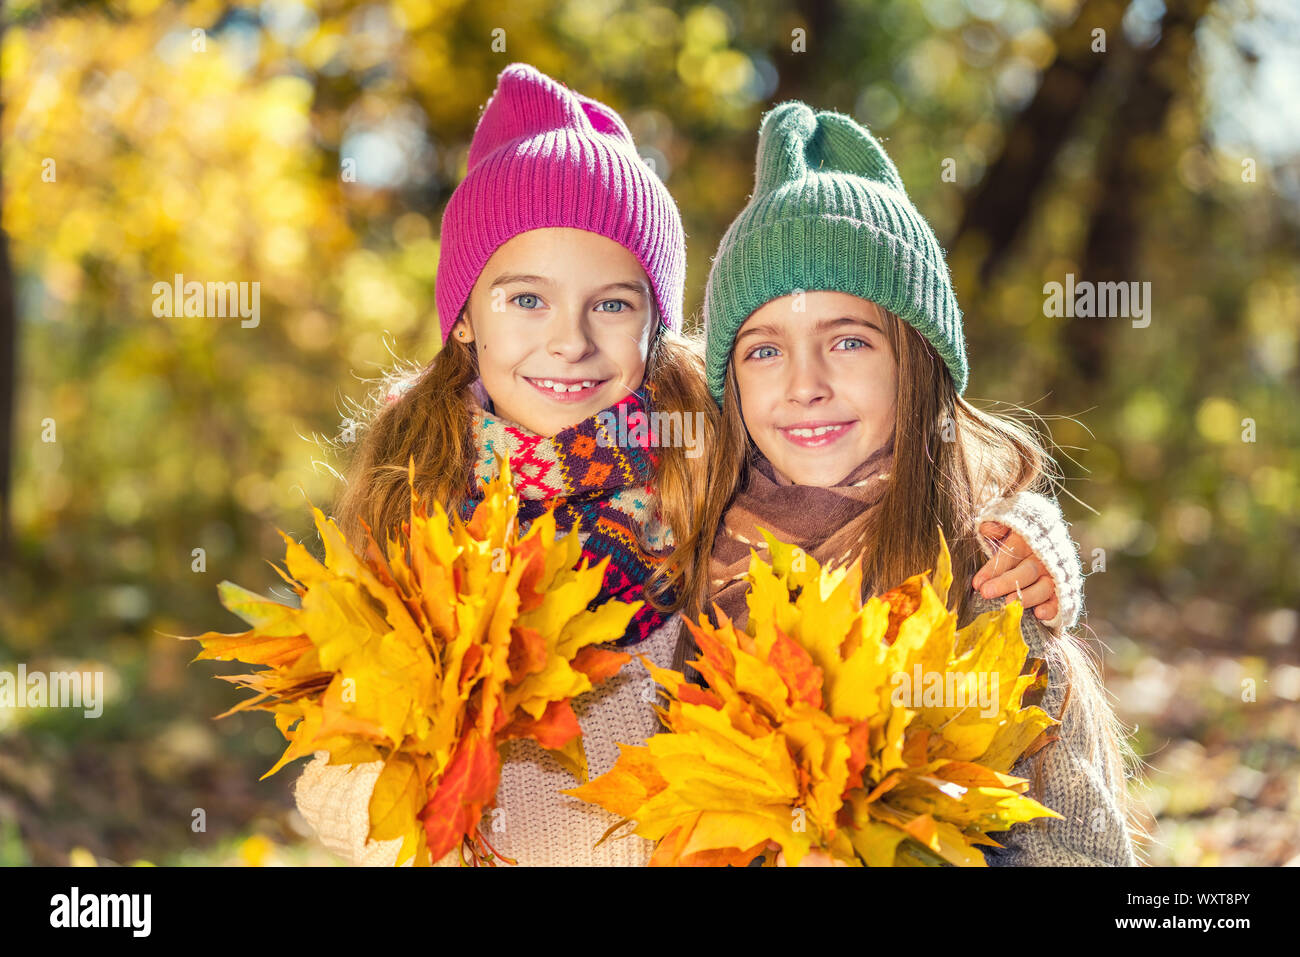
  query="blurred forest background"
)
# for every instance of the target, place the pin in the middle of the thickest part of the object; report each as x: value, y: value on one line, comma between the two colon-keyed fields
x: 144, y: 139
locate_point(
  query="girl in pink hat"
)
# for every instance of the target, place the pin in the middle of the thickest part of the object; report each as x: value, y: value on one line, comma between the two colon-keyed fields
x: 559, y: 290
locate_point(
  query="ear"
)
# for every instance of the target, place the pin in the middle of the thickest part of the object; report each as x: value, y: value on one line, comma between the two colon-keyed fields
x: 462, y: 331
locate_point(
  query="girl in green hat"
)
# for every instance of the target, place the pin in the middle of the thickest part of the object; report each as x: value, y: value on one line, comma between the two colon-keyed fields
x: 836, y: 355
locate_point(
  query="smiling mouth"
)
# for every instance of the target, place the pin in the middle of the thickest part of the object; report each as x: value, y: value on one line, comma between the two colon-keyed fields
x: 566, y: 390
x: 815, y: 435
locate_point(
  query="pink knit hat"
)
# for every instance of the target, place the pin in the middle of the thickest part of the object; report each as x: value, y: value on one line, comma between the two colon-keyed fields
x: 542, y: 156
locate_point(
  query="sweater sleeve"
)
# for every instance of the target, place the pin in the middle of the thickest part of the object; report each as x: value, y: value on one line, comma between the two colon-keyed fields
x: 1038, y: 520
x: 335, y: 800
x: 531, y: 821
x: 1078, y: 780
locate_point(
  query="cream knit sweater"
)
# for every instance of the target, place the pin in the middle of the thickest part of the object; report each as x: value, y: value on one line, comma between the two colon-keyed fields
x: 533, y: 822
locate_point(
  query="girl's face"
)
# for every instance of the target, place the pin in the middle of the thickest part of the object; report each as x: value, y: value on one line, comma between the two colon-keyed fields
x: 818, y: 384
x: 561, y: 320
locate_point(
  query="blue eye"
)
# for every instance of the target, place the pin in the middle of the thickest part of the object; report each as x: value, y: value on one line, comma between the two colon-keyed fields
x: 755, y: 353
x: 623, y: 306
x: 533, y: 300
x: 861, y: 342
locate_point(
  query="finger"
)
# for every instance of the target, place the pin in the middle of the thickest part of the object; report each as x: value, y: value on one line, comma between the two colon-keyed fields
x: 1037, y: 593
x: 994, y: 530
x: 1021, y: 576
x: 1017, y: 546
x: 1003, y: 561
x: 1048, y: 609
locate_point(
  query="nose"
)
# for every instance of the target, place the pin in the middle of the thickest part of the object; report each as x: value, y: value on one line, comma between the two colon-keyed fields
x: 567, y: 334
x: 807, y: 382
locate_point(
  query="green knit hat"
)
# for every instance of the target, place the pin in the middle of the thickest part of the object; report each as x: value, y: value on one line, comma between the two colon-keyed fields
x: 829, y: 212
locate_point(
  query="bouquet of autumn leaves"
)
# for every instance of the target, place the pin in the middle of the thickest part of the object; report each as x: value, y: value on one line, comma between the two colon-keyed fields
x: 427, y: 658
x: 801, y: 740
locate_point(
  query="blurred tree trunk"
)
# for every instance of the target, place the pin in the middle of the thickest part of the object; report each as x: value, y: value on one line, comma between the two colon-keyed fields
x: 798, y: 72
x: 1124, y: 175
x: 1000, y: 206
x: 8, y: 393
x: 8, y: 383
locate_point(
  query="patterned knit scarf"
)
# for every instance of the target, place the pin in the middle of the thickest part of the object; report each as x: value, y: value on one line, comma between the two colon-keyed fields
x: 584, y: 476
x: 816, y: 519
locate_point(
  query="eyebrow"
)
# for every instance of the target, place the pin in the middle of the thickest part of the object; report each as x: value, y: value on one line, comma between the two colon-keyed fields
x: 821, y: 326
x: 506, y: 279
x: 637, y: 287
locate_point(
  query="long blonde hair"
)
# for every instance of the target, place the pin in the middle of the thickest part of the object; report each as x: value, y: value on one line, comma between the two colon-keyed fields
x: 431, y: 420
x: 949, y: 459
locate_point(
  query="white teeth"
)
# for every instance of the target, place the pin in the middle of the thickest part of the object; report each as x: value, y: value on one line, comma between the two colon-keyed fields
x: 820, y: 430
x: 562, y: 387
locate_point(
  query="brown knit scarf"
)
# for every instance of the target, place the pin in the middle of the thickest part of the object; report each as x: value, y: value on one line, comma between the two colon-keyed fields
x: 816, y: 519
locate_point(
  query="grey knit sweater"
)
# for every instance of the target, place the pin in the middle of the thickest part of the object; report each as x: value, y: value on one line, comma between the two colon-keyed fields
x: 1079, y: 778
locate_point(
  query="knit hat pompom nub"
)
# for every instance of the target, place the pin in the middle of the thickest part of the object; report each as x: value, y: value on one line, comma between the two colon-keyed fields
x: 829, y: 212
x: 546, y: 156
